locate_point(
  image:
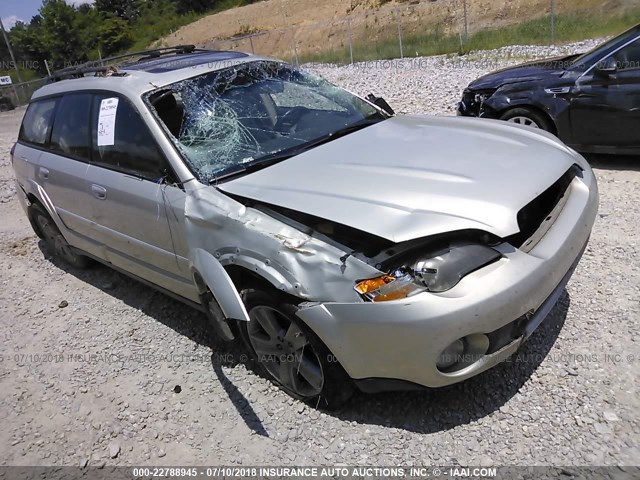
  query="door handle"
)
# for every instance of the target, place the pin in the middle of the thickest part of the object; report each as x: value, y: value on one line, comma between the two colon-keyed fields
x: 44, y: 173
x: 99, y: 192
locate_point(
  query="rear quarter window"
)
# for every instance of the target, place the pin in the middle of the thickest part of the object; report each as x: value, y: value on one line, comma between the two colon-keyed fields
x: 70, y: 134
x: 37, y: 122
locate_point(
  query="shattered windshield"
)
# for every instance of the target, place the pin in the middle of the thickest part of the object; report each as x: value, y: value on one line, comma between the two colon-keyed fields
x: 229, y: 119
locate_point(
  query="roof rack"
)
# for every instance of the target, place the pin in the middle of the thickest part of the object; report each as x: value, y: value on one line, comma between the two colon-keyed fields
x: 106, y: 68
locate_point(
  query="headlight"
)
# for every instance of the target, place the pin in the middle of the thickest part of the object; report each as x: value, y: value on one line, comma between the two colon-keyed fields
x: 438, y: 272
x: 389, y: 287
x: 444, y: 270
x: 482, y: 96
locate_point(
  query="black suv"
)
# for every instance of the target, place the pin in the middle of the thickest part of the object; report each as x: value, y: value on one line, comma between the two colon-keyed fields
x: 591, y: 101
x: 6, y: 104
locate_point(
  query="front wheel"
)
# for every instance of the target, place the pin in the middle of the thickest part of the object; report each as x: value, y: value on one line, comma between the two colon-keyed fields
x: 290, y: 354
x: 527, y: 117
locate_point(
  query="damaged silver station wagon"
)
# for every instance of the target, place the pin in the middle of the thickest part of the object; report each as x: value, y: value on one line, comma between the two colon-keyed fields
x: 342, y: 244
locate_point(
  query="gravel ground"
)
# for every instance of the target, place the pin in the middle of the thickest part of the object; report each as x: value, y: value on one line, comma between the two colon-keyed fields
x: 98, y: 369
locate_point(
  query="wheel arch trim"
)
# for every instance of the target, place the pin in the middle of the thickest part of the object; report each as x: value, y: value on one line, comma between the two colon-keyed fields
x: 208, y: 273
x: 35, y: 191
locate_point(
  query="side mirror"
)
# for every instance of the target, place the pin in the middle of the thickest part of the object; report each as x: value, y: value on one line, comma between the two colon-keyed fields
x: 380, y: 103
x: 607, y: 67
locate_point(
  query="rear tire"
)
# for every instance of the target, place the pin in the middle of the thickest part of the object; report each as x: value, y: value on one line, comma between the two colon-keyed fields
x: 527, y: 117
x: 287, y: 352
x: 47, y: 230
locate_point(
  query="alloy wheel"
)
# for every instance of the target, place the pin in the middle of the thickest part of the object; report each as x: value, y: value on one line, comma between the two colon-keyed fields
x: 284, y: 350
x: 526, y: 121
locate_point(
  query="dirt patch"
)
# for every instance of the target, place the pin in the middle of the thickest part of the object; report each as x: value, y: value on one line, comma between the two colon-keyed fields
x: 20, y: 248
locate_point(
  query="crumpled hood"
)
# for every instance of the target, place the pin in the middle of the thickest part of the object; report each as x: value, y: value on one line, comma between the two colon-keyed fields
x: 524, y: 72
x: 410, y: 177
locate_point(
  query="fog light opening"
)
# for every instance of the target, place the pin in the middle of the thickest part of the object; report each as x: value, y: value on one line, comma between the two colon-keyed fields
x: 451, y: 355
x: 463, y: 353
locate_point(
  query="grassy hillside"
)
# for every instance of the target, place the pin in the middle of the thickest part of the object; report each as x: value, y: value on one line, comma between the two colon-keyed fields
x: 289, y: 29
x: 568, y: 28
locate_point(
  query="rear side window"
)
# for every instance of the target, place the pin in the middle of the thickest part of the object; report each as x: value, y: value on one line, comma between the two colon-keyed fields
x: 121, y: 139
x: 70, y: 134
x: 37, y: 122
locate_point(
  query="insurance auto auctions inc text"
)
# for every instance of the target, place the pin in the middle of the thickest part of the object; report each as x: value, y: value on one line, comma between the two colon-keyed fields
x: 376, y: 472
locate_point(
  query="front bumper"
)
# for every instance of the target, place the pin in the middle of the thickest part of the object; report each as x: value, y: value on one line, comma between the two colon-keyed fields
x: 463, y: 110
x: 468, y: 107
x: 403, y: 339
x: 471, y: 105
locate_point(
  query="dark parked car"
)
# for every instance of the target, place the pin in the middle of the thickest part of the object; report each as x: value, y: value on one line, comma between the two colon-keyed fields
x: 591, y: 101
x: 6, y: 104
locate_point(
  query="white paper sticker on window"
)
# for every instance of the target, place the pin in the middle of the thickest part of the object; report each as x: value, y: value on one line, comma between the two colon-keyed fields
x: 107, y: 121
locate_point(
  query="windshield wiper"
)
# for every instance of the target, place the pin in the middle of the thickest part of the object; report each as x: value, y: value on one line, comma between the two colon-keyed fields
x: 352, y: 128
x: 246, y: 168
x: 277, y: 157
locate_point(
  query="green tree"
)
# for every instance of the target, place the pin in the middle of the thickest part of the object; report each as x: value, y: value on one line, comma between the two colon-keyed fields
x: 197, y: 6
x: 26, y: 40
x: 87, y: 23
x: 61, y: 39
x: 127, y: 10
x: 65, y: 35
x: 85, y: 9
x: 115, y: 35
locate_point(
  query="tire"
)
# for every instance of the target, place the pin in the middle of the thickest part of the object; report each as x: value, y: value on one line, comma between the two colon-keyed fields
x: 288, y: 353
x: 529, y: 118
x: 47, y: 230
x: 4, y: 107
x: 216, y: 321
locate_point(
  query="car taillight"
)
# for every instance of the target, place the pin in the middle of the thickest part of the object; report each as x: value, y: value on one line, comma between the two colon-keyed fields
x: 13, y: 149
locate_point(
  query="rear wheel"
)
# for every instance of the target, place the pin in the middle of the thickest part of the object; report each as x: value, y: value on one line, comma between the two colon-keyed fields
x: 4, y: 107
x: 47, y: 230
x: 528, y: 118
x: 290, y: 354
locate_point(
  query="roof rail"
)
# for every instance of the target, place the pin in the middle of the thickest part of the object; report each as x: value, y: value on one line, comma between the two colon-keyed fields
x: 80, y: 71
x: 104, y: 66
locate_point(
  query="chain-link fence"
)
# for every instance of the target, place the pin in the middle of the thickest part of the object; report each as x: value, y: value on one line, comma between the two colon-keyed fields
x: 434, y: 27
x: 18, y: 93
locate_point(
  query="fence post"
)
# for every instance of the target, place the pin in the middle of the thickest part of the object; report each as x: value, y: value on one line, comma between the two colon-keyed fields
x: 295, y: 48
x: 399, y: 32
x: 251, y: 42
x: 553, y: 22
x: 350, y: 39
x: 13, y: 59
x: 466, y: 21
